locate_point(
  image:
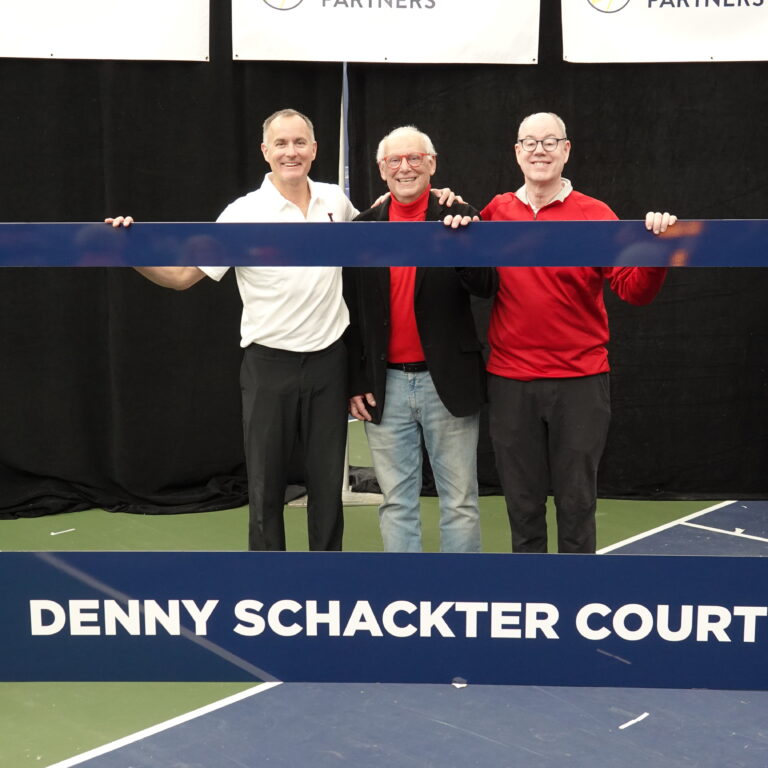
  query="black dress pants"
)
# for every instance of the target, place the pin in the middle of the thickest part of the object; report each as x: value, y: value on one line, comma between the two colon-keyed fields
x: 550, y: 433
x: 290, y: 396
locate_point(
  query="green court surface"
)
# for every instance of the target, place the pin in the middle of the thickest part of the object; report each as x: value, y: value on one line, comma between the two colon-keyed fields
x: 43, y: 723
x: 226, y: 530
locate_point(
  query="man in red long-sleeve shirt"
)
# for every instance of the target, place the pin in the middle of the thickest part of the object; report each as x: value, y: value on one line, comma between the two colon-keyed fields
x: 548, y: 385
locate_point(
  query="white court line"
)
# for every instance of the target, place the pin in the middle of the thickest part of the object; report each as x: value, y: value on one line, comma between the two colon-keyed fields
x: 738, y: 533
x: 664, y: 527
x: 227, y: 656
x: 173, y: 722
x: 636, y: 720
x: 613, y: 656
x: 61, y: 565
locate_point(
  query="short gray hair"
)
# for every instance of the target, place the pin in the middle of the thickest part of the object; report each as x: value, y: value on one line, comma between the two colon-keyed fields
x: 405, y: 130
x: 556, y: 118
x: 286, y: 113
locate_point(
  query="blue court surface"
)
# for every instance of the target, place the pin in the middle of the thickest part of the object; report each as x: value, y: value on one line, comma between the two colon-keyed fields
x: 404, y: 726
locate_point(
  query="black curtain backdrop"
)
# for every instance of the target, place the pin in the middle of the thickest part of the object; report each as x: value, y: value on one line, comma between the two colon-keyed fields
x: 118, y: 394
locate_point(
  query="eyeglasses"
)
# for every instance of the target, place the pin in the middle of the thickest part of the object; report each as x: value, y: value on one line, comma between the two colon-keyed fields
x: 549, y: 144
x: 414, y: 159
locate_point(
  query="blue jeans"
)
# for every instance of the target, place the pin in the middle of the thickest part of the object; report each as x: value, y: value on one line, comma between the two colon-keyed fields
x: 413, y: 408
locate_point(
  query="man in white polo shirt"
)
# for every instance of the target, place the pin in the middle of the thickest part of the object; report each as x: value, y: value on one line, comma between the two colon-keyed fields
x: 293, y: 375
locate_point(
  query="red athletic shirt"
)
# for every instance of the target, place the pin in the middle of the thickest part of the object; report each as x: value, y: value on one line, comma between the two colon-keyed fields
x: 404, y: 340
x: 550, y: 322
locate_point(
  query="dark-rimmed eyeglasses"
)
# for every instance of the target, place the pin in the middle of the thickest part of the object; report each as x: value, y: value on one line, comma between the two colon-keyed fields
x: 414, y: 159
x: 549, y: 144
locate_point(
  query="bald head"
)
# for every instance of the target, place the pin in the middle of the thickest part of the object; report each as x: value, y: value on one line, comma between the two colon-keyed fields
x: 537, y: 117
x: 542, y: 150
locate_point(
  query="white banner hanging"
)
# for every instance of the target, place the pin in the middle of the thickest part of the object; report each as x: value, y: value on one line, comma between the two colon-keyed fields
x: 665, y: 30
x: 175, y: 30
x: 407, y: 31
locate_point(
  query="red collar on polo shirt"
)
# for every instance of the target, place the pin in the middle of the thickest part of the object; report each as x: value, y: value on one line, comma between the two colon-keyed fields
x: 415, y: 211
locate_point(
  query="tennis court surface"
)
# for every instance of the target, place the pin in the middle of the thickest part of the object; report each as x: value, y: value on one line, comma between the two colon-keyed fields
x: 399, y: 726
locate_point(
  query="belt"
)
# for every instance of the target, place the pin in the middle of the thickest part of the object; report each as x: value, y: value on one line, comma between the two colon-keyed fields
x: 409, y: 367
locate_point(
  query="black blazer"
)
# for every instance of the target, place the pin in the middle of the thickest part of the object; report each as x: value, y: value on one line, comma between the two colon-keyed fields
x: 443, y: 317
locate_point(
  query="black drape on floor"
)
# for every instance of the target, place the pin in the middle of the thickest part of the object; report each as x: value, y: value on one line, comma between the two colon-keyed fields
x: 119, y: 394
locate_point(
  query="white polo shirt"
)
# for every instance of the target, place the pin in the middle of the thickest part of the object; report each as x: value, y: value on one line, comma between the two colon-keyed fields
x: 300, y: 309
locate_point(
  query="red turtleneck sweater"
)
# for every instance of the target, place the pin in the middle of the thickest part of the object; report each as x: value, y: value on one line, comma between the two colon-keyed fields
x: 404, y: 341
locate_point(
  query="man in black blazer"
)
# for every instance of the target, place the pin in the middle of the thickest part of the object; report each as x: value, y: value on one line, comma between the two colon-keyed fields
x: 416, y: 367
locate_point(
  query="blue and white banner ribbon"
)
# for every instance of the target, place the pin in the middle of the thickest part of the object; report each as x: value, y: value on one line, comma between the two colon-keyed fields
x: 677, y: 622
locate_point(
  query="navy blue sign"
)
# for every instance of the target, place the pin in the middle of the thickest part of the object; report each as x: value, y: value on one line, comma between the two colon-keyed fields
x: 681, y: 622
x: 612, y: 243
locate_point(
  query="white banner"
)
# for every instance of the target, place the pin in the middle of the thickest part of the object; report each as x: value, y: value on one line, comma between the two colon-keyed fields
x: 410, y: 31
x: 665, y: 30
x: 105, y: 29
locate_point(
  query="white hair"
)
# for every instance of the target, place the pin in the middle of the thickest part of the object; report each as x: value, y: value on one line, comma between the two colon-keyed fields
x: 405, y: 130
